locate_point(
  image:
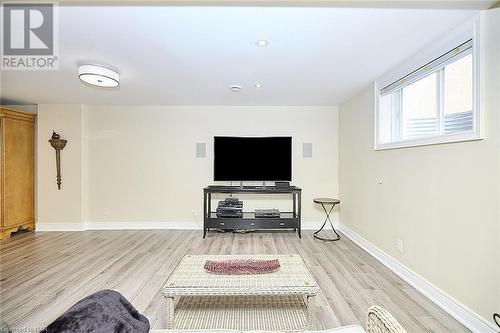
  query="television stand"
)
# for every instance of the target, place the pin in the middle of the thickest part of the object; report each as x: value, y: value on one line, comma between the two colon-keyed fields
x: 287, y: 220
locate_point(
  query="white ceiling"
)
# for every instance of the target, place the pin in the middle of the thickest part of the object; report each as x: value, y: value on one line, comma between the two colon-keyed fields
x: 190, y: 55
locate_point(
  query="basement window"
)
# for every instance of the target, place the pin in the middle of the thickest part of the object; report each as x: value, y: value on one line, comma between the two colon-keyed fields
x: 436, y: 103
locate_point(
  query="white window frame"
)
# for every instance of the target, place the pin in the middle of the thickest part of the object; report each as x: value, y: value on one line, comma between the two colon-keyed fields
x: 456, y: 38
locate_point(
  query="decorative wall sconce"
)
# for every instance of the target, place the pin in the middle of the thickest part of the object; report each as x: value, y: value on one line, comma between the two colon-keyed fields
x: 58, y: 145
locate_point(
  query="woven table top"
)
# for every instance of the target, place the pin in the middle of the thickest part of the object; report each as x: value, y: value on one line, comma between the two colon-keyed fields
x: 190, y: 278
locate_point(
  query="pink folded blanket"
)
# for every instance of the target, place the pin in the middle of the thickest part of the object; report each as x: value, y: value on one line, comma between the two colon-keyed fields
x: 242, y: 266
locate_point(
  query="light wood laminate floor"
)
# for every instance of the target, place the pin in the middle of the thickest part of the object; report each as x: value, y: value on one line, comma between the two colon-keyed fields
x: 43, y: 274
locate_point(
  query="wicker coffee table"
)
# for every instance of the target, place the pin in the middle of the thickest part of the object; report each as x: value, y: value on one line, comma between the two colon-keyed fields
x: 279, y: 301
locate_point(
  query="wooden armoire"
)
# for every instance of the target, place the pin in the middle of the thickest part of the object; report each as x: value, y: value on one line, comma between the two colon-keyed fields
x: 17, y: 167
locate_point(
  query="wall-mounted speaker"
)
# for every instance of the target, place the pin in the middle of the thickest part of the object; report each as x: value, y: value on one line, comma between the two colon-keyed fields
x: 307, y: 150
x: 201, y: 150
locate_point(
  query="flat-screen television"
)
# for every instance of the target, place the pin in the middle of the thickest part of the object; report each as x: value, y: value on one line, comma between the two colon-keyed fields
x: 252, y: 158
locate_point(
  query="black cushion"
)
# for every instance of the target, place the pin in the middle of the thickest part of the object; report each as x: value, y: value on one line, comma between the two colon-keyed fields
x: 106, y: 311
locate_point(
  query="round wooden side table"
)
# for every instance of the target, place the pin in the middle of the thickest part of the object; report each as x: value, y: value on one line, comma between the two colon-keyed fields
x: 324, y: 202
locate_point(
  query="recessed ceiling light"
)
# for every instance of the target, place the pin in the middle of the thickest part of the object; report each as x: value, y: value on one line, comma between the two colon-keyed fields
x: 262, y: 42
x: 235, y: 88
x: 98, y: 76
x: 258, y: 85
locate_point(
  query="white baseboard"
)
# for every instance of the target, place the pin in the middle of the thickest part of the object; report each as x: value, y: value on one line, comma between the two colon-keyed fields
x: 136, y: 225
x: 310, y: 225
x: 111, y: 225
x: 42, y: 226
x: 315, y: 225
x: 459, y: 311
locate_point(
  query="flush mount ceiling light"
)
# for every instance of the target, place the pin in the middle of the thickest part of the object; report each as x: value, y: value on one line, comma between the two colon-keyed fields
x: 261, y: 42
x: 258, y: 85
x: 235, y: 88
x: 98, y: 76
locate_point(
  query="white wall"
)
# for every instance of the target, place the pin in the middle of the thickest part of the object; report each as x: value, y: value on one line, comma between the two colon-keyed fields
x: 138, y: 164
x: 442, y: 201
x: 64, y: 205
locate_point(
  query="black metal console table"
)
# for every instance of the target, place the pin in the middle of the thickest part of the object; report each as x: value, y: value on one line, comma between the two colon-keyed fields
x: 287, y: 220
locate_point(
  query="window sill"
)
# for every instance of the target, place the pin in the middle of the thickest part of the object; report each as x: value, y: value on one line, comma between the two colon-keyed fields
x: 435, y: 140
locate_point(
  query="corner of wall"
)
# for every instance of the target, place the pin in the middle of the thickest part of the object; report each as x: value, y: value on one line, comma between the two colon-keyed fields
x: 84, y: 164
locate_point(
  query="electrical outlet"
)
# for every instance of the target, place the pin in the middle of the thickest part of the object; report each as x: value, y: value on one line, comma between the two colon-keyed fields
x: 399, y: 245
x: 106, y: 211
x: 194, y: 214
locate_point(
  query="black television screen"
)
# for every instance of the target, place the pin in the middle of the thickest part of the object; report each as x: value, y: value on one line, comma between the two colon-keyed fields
x: 252, y: 158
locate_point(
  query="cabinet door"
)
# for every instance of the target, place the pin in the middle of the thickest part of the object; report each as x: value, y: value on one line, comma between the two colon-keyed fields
x: 18, y: 171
